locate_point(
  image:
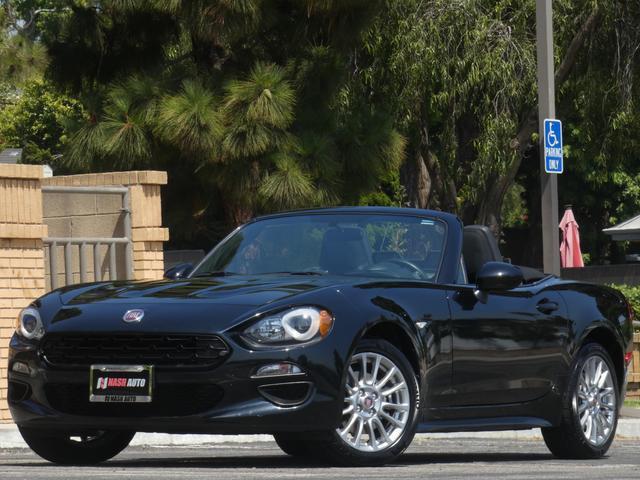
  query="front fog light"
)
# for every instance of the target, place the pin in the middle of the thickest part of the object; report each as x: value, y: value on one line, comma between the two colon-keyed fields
x: 20, y: 367
x: 278, y: 370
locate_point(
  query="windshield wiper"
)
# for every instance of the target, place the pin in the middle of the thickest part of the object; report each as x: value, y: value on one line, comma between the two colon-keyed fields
x: 222, y: 273
x: 303, y: 272
x: 217, y: 273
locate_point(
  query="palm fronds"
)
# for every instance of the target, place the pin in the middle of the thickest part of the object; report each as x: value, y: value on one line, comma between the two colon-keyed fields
x: 123, y: 128
x: 21, y: 59
x: 191, y: 120
x: 288, y: 186
x: 85, y: 147
x: 258, y: 111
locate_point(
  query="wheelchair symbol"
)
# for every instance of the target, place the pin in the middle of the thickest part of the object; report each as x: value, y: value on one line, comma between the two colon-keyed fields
x: 552, y: 140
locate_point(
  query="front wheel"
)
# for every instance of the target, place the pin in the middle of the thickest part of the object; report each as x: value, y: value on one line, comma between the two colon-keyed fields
x: 590, y: 410
x: 379, y: 415
x: 82, y: 449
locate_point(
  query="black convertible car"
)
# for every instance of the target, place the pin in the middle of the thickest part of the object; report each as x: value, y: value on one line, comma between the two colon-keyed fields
x: 342, y: 332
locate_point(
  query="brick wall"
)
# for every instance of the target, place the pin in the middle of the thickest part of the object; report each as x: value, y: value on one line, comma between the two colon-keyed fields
x: 22, y: 228
x: 21, y: 253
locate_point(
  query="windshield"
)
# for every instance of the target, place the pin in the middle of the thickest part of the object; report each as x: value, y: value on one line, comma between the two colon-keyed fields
x: 381, y: 246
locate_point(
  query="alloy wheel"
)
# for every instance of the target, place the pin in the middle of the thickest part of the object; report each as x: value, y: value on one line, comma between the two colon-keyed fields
x: 595, y: 401
x: 377, y: 403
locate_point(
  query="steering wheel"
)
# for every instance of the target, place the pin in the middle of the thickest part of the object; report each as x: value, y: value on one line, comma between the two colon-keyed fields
x: 418, y: 273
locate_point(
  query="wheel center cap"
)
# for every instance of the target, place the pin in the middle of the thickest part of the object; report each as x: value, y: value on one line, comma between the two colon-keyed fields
x: 367, y: 402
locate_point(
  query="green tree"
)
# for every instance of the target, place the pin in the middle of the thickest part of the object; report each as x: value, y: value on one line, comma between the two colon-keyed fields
x: 22, y: 57
x: 251, y: 97
x: 602, y: 119
x: 33, y: 115
x: 37, y: 122
x: 460, y: 80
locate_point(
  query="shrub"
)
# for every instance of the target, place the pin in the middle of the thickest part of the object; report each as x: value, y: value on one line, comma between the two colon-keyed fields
x: 632, y: 293
x: 37, y: 121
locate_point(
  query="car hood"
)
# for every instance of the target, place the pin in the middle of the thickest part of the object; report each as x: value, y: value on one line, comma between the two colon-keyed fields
x: 189, y: 305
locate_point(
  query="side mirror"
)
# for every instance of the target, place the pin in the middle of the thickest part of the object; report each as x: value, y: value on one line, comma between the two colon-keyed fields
x: 498, y: 276
x: 179, y: 271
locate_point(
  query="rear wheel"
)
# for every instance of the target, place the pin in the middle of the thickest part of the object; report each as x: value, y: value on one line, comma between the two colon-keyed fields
x: 380, y: 408
x: 82, y: 449
x: 590, y: 413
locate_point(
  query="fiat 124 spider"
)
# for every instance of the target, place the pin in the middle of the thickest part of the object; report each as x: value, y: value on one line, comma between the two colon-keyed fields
x: 341, y: 332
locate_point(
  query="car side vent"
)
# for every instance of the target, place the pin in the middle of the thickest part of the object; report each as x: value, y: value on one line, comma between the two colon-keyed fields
x: 18, y: 391
x: 287, y: 394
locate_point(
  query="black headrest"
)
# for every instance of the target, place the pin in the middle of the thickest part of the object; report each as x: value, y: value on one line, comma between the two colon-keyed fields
x: 344, y: 250
x: 479, y: 247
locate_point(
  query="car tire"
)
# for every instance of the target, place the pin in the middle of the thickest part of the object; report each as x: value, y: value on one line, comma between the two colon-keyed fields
x: 339, y: 446
x: 587, y: 409
x: 62, y: 448
x: 294, y: 444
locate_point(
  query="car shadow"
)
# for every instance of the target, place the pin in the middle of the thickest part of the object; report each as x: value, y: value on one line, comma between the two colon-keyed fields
x: 286, y: 462
x: 444, y: 458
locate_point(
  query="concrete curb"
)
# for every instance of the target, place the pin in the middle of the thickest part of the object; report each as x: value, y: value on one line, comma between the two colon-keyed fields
x: 628, y: 429
x: 630, y: 412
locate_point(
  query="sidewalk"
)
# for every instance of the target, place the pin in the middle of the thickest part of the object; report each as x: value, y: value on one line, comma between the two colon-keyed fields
x: 628, y: 429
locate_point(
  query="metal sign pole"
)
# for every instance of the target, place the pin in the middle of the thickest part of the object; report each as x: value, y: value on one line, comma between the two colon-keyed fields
x: 547, y: 109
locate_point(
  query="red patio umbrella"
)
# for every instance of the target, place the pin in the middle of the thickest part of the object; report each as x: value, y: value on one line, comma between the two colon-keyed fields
x: 570, y: 253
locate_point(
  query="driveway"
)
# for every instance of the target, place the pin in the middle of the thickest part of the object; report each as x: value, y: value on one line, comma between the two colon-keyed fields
x: 455, y: 458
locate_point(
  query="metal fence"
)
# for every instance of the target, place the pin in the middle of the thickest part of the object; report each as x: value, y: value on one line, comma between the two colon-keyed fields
x: 83, y: 244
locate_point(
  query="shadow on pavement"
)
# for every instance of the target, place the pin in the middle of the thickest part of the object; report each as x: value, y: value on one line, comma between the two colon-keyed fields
x: 443, y: 458
x: 284, y: 462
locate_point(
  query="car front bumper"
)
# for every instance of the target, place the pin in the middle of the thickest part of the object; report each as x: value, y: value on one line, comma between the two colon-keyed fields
x: 223, y: 400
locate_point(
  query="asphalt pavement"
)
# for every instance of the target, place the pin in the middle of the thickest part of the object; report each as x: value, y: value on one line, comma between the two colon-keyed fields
x: 428, y: 457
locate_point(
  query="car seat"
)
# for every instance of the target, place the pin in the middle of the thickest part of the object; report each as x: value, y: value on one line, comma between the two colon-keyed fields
x: 344, y: 249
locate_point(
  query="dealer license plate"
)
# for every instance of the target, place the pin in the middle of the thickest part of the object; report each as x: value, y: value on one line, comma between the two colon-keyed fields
x: 121, y: 383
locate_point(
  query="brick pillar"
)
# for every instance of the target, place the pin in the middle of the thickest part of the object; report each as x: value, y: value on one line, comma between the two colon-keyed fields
x: 146, y: 224
x: 21, y: 254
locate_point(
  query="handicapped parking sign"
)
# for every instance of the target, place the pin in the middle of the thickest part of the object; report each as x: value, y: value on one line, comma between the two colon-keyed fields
x: 553, y: 158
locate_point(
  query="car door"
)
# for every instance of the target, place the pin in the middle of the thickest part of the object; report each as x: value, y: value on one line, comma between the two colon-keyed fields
x: 507, y: 346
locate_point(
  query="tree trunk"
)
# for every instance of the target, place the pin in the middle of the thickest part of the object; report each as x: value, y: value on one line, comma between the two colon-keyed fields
x: 417, y: 181
x: 239, y: 213
x: 241, y: 204
x: 444, y: 188
x: 489, y: 212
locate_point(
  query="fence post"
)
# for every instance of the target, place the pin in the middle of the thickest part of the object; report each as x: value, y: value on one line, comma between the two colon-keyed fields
x: 128, y: 249
x: 21, y: 254
x: 97, y: 273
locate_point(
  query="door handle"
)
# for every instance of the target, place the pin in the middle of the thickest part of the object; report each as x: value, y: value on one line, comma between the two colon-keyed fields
x: 546, y: 306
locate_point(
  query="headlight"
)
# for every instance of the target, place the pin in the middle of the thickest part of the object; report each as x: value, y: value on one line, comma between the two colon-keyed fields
x: 30, y: 324
x: 295, y: 326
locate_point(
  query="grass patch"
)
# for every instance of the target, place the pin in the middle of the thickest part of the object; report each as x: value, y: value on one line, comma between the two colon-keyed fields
x: 632, y: 403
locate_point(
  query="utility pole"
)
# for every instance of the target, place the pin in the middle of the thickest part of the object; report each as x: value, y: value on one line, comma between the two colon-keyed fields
x: 547, y: 109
